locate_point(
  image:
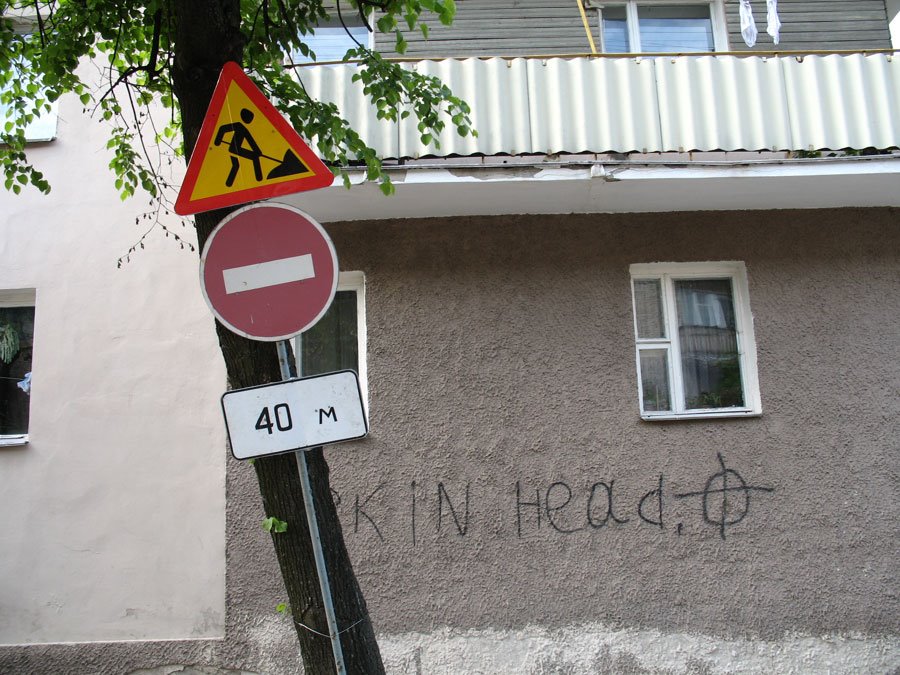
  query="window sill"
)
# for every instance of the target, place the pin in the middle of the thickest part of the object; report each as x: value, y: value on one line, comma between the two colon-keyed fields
x: 695, y: 415
x: 13, y: 441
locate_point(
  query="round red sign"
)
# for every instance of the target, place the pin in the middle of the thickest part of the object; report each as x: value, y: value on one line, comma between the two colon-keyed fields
x: 268, y: 272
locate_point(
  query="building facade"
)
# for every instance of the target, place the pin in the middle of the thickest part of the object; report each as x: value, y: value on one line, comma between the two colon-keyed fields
x: 628, y: 355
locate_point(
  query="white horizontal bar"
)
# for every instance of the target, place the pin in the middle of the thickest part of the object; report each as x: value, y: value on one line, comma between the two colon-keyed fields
x: 272, y: 273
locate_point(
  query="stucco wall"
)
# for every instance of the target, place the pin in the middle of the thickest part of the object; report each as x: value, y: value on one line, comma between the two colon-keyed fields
x: 112, y: 522
x: 501, y: 355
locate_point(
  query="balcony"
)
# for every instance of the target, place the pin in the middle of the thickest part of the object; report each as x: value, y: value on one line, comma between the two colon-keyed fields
x: 549, y: 106
x: 671, y: 120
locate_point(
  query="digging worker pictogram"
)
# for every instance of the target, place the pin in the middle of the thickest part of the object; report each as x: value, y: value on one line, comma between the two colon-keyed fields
x: 246, y: 151
x: 239, y: 136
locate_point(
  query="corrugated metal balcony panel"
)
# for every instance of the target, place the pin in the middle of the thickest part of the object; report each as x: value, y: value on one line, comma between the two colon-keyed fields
x: 593, y: 105
x: 334, y: 84
x: 702, y: 103
x: 722, y: 103
x: 497, y: 92
x: 843, y: 101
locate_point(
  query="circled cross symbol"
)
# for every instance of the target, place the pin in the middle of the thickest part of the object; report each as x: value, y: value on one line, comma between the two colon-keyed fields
x: 732, y: 497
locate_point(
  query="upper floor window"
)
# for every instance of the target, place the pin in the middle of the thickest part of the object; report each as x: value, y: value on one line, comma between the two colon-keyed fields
x: 636, y: 26
x: 16, y: 339
x: 332, y: 39
x: 43, y: 126
x: 696, y: 352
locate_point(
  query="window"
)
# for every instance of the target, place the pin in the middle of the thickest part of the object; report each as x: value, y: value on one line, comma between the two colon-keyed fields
x: 662, y: 26
x: 43, y: 126
x: 338, y: 340
x: 696, y: 353
x: 16, y: 346
x: 331, y: 40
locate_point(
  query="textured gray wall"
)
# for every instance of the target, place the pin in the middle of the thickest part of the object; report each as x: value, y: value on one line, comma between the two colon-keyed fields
x: 501, y: 354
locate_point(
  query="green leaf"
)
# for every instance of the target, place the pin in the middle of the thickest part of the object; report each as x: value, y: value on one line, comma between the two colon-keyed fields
x: 400, y: 43
x: 281, y: 608
x: 272, y: 524
x: 34, y: 72
x: 387, y: 23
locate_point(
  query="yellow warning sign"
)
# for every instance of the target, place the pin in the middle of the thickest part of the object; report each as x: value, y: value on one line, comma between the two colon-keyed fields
x: 246, y: 151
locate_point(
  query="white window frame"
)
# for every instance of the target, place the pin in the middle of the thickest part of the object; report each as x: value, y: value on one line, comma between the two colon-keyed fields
x: 332, y: 22
x: 716, y: 17
x: 44, y: 127
x: 22, y: 297
x: 351, y: 281
x: 667, y: 273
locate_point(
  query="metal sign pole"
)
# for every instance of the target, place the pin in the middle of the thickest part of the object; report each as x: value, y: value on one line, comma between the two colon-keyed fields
x: 324, y: 587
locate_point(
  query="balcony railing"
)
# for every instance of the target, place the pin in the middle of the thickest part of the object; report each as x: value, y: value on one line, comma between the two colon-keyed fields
x: 549, y: 106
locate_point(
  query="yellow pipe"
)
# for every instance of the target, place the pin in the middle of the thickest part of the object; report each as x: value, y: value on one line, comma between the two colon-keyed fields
x: 587, y: 27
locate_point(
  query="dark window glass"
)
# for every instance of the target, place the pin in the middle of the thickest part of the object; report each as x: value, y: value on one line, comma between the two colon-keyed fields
x: 709, y: 353
x: 332, y: 344
x: 16, y: 338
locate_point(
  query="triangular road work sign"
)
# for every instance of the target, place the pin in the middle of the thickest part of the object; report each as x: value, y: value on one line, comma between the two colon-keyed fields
x: 246, y: 151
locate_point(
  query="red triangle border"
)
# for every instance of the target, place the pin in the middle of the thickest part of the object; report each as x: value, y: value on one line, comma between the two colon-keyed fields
x: 233, y: 73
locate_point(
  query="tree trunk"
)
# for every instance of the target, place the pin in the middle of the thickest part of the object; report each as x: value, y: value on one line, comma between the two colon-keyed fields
x: 207, y: 34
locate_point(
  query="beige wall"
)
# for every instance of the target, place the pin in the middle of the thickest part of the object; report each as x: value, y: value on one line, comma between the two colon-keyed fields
x: 112, y: 521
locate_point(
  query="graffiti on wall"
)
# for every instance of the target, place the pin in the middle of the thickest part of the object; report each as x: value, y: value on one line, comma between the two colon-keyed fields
x: 722, y: 503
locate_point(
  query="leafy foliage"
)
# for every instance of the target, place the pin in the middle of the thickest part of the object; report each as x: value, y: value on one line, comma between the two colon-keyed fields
x: 274, y: 525
x: 134, y: 44
x: 9, y: 343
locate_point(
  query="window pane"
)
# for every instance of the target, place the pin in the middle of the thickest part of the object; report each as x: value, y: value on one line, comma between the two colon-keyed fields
x: 43, y: 126
x: 679, y: 28
x: 709, y: 355
x: 649, y: 309
x: 615, y: 31
x: 16, y: 337
x: 655, y: 379
x: 332, y: 343
x: 330, y: 43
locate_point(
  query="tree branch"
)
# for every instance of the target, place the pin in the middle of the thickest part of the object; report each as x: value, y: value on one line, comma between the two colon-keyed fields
x: 40, y: 22
x: 344, y: 24
x: 154, y: 47
x: 290, y: 22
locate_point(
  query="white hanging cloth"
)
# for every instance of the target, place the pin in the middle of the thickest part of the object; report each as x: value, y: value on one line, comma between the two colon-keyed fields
x: 748, y: 25
x: 773, y: 23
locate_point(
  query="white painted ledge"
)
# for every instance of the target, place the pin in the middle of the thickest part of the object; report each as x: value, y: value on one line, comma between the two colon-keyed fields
x: 594, y: 648
x: 444, y: 189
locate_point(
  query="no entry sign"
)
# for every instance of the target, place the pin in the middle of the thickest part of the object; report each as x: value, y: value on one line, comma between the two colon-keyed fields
x: 268, y: 272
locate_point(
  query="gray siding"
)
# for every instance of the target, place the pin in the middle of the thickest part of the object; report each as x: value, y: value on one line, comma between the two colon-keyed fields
x: 522, y: 27
x: 500, y: 28
x: 816, y: 24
